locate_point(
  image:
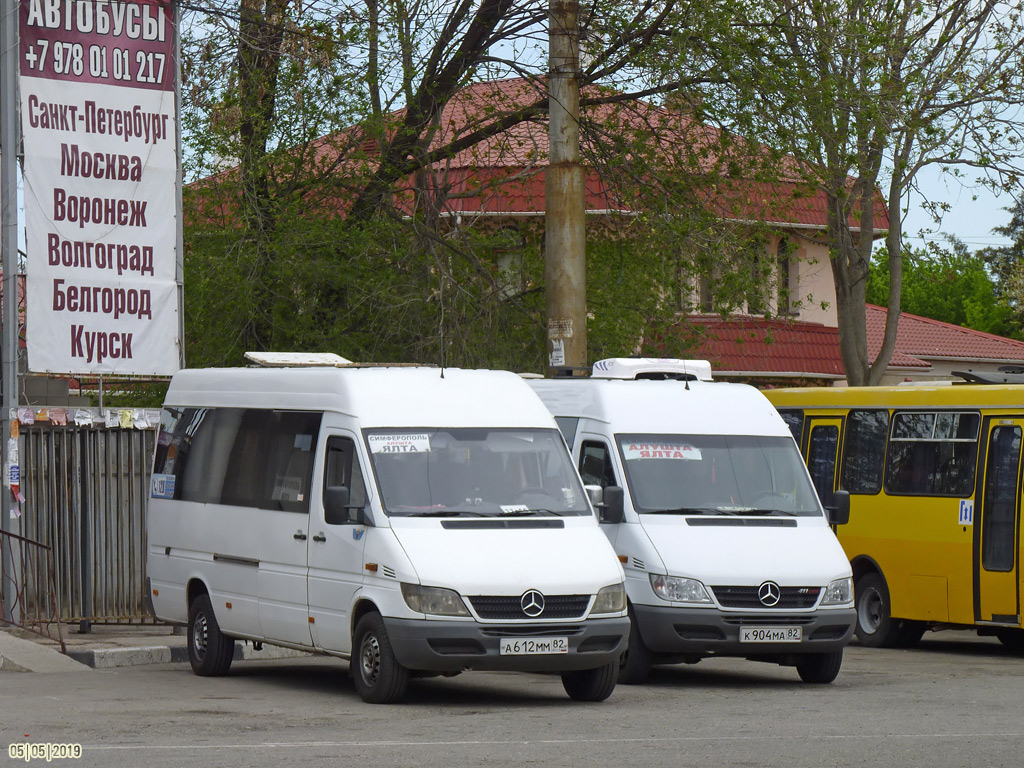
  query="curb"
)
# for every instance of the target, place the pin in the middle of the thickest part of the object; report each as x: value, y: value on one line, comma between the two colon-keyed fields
x: 111, y: 658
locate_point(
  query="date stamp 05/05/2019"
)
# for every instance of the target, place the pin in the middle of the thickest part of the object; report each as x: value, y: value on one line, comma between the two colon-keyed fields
x: 47, y: 751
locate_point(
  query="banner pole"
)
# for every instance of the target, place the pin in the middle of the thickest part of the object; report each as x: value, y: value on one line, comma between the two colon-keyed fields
x: 9, y: 244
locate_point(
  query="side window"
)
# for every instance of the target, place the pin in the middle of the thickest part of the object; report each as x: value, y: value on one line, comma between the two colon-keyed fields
x: 821, y: 461
x: 342, y: 469
x: 244, y: 457
x: 999, y: 519
x: 795, y: 421
x: 864, y: 452
x: 932, y: 454
x: 596, y: 464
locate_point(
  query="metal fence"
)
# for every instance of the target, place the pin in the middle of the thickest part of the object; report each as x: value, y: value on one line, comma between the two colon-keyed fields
x: 28, y: 566
x: 85, y: 497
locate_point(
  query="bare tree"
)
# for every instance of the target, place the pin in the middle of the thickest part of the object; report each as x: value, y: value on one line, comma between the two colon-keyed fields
x: 862, y: 92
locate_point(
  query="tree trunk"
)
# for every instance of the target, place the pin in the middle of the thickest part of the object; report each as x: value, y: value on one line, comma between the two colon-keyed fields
x: 849, y: 272
x: 260, y: 35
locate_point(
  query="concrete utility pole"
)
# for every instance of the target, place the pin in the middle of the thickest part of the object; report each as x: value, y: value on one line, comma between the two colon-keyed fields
x: 9, y: 10
x: 565, y: 270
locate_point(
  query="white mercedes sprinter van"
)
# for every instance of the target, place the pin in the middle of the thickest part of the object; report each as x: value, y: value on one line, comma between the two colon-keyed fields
x: 411, y: 520
x: 726, y: 547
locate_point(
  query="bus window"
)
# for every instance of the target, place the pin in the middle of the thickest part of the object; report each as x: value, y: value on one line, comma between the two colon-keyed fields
x: 864, y: 451
x: 1000, y: 512
x: 795, y: 421
x: 821, y: 461
x: 932, y: 454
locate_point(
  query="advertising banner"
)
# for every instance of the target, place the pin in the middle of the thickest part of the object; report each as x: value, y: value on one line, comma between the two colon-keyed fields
x: 100, y: 143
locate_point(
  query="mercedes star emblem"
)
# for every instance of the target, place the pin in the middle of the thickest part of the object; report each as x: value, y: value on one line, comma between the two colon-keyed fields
x: 532, y: 603
x: 769, y: 593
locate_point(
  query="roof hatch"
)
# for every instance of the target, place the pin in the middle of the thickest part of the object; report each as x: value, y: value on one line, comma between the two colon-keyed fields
x: 652, y: 368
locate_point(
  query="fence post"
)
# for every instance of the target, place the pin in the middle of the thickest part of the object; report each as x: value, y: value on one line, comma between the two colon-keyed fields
x: 85, y: 626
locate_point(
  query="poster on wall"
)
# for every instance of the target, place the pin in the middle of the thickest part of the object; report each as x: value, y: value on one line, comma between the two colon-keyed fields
x: 100, y: 186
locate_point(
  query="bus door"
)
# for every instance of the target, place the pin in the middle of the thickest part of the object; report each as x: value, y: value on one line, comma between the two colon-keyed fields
x: 823, y: 456
x: 996, y: 537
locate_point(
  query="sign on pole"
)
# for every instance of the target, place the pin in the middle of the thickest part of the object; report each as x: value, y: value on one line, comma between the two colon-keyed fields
x: 101, y: 169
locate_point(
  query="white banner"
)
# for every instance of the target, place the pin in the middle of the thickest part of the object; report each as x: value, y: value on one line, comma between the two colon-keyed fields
x: 98, y: 119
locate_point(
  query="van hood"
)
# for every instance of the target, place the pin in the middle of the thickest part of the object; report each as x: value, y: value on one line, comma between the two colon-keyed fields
x: 576, y: 559
x: 748, y: 551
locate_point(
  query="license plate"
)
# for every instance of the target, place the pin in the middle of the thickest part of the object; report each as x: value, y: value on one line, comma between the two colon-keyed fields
x: 531, y: 646
x: 771, y: 634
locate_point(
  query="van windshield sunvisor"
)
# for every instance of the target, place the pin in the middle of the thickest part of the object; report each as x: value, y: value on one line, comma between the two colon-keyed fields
x: 728, y: 475
x: 474, y: 472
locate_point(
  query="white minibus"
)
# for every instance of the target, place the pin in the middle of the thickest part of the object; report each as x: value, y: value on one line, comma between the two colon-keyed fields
x: 726, y: 547
x: 415, y: 521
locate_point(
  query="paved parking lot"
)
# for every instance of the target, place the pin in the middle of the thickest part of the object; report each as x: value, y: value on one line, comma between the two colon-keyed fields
x: 955, y: 701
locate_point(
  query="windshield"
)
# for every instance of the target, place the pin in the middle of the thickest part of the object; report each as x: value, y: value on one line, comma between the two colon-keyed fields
x: 717, y: 474
x: 475, y: 472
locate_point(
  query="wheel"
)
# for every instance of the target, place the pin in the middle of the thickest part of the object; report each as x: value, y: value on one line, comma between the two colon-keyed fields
x: 378, y: 676
x: 1013, y: 639
x: 591, y: 684
x: 910, y: 633
x: 635, y: 664
x: 875, y: 627
x: 820, y: 668
x: 210, y: 651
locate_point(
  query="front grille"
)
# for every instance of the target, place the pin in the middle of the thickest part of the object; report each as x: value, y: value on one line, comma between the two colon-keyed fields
x: 746, y: 597
x: 544, y: 630
x: 765, y: 620
x: 505, y: 608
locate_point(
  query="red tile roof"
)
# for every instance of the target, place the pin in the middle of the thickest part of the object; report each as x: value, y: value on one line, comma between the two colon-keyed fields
x: 922, y: 337
x: 505, y: 173
x: 754, y: 345
x: 760, y: 346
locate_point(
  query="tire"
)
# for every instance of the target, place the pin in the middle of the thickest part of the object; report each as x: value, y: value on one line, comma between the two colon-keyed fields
x: 820, y: 668
x: 875, y: 626
x: 210, y: 651
x: 635, y: 665
x: 1012, y: 639
x: 910, y: 633
x: 378, y: 677
x: 591, y: 684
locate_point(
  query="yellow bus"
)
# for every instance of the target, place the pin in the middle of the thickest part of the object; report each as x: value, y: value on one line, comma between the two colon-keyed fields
x: 934, y: 477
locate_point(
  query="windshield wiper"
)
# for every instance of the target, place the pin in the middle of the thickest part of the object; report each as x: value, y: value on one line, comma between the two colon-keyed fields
x: 530, y: 511
x: 681, y: 511
x: 771, y: 512
x: 449, y: 513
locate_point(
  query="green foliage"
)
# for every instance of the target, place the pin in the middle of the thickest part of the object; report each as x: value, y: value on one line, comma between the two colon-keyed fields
x: 950, y: 285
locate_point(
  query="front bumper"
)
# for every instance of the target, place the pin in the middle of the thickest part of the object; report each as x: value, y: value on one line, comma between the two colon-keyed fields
x: 452, y: 646
x: 709, y: 632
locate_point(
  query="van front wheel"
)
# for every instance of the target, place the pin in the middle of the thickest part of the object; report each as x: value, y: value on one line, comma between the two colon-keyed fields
x: 210, y: 651
x: 635, y: 665
x: 377, y: 675
x: 820, y: 668
x: 591, y: 684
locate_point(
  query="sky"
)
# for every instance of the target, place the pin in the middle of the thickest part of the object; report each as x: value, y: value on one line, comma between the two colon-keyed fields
x: 970, y: 219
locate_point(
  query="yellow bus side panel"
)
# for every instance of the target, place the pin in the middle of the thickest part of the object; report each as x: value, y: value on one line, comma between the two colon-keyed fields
x: 924, y: 554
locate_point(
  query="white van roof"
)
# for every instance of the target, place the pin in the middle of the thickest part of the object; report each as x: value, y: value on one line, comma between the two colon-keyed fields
x: 377, y: 396
x: 664, y: 407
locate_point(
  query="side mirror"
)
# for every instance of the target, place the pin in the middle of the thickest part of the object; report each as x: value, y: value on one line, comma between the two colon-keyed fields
x: 596, y: 495
x: 336, y: 498
x: 839, y: 513
x: 614, y: 505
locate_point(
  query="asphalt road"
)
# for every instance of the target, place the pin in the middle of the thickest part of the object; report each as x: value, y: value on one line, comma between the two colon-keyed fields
x: 954, y: 701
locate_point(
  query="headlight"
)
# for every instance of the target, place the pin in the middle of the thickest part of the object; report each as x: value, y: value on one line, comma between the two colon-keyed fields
x: 838, y: 592
x: 610, y: 599
x: 679, y: 590
x: 442, y: 602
